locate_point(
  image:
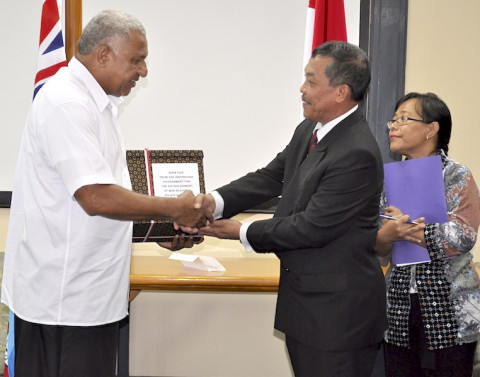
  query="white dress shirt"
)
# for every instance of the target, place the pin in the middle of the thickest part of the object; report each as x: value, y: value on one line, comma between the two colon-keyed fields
x: 62, y: 266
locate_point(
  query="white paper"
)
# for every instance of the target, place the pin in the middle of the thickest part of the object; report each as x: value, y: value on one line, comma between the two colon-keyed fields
x: 172, y: 179
x: 198, y: 262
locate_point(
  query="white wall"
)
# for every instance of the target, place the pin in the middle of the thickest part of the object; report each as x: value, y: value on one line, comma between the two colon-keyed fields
x: 224, y: 77
x: 19, y: 31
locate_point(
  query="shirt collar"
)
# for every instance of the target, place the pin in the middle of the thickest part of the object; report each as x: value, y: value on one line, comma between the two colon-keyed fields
x: 334, y: 122
x: 443, y: 157
x: 101, y: 98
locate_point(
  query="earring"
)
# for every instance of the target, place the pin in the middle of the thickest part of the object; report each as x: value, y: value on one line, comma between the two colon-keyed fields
x: 427, y: 137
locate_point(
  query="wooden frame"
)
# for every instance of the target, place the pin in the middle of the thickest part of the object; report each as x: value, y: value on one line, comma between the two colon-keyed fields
x: 73, y: 26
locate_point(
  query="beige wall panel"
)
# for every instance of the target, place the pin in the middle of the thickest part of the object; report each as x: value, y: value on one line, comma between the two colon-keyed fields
x: 443, y: 57
x: 206, y: 334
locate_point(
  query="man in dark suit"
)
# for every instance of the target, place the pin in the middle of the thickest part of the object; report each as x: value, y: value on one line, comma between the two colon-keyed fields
x: 331, y: 297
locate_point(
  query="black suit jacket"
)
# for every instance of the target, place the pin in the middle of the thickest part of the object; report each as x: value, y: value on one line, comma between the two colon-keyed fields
x: 332, y: 290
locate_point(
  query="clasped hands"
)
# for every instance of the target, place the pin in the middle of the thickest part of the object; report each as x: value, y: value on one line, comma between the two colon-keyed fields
x: 401, y: 229
x: 195, y: 218
x: 224, y: 229
x: 188, y: 214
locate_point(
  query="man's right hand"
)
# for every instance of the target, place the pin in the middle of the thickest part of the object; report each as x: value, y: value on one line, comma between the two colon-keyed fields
x: 192, y: 215
x: 205, y: 201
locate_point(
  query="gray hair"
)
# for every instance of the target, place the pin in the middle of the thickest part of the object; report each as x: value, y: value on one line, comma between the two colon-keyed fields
x: 105, y: 25
x: 350, y: 66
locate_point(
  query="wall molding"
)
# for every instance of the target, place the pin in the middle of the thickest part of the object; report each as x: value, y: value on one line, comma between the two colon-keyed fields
x: 5, y: 199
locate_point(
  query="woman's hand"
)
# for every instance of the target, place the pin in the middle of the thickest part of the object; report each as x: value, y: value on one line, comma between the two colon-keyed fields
x: 399, y: 230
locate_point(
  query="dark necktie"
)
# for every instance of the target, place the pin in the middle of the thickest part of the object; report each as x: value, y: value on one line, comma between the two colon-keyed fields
x: 313, y: 141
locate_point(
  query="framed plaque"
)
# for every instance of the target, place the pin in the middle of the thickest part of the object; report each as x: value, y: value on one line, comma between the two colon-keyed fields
x: 165, y: 173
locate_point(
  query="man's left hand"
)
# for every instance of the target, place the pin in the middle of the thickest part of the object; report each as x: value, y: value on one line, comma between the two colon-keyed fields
x: 181, y: 242
x: 225, y: 229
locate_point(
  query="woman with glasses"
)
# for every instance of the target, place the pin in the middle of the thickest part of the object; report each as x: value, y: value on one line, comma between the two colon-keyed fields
x: 433, y: 308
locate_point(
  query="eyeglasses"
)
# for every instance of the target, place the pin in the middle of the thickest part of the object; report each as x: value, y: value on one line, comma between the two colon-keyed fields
x: 402, y: 121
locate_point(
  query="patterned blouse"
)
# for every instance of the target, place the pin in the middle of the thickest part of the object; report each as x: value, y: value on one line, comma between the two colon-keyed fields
x: 448, y: 286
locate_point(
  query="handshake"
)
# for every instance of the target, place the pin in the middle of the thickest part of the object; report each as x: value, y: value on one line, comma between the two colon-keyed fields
x: 195, y: 216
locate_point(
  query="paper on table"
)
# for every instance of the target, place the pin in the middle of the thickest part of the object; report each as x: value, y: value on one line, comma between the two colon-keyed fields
x: 416, y: 188
x: 198, y: 262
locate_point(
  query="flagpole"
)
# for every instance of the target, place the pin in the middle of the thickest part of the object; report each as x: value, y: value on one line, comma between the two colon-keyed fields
x: 73, y: 26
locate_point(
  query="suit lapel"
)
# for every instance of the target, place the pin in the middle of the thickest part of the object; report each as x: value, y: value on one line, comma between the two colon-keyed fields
x: 306, y: 165
x: 317, y: 155
x: 301, y: 152
x: 339, y: 130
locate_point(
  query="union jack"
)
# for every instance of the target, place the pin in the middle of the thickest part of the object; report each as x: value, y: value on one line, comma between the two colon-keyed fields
x: 51, y: 57
x: 51, y: 50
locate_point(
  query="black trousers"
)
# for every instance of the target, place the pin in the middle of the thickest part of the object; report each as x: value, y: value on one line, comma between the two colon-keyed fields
x: 419, y: 361
x: 65, y: 351
x: 311, y: 362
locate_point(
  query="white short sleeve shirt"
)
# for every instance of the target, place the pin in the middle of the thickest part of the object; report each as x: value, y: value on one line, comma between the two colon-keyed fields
x: 62, y: 266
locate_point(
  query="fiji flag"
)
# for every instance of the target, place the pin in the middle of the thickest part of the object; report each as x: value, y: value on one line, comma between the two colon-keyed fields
x: 51, y: 57
x: 51, y: 50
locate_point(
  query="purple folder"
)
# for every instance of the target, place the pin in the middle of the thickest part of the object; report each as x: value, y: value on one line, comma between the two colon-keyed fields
x: 416, y: 188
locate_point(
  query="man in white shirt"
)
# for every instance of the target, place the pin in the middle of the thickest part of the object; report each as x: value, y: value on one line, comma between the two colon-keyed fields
x: 67, y: 259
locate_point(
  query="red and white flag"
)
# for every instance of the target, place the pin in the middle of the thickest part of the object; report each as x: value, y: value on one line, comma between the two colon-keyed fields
x: 51, y: 57
x: 325, y: 22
